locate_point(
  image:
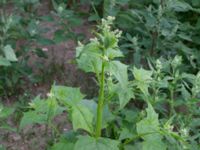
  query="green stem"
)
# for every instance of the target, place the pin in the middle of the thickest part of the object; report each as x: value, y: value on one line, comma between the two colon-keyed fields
x: 100, y: 103
x: 171, y: 102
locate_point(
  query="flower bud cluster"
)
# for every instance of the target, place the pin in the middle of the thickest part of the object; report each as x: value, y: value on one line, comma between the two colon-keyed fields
x: 106, y: 26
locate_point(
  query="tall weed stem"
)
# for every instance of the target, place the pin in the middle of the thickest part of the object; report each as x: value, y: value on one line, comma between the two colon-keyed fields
x: 100, y: 103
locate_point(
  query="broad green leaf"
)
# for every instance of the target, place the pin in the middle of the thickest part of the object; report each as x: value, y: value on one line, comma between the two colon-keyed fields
x: 4, y: 61
x: 120, y: 72
x: 142, y: 74
x: 113, y: 53
x: 143, y: 78
x: 67, y: 95
x: 53, y: 108
x: 82, y: 118
x: 50, y: 106
x: 32, y: 117
x: 42, y: 112
x: 91, y: 143
x: 38, y: 104
x: 89, y: 57
x: 150, y: 123
x: 125, y: 93
x: 149, y: 128
x: 9, y: 53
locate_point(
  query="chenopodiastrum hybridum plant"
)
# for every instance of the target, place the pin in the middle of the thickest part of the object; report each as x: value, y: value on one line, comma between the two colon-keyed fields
x: 94, y: 121
x: 99, y: 56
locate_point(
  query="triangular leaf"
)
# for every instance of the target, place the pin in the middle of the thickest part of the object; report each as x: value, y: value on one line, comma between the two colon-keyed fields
x: 32, y: 117
x: 67, y: 95
x: 82, y: 118
x: 120, y: 72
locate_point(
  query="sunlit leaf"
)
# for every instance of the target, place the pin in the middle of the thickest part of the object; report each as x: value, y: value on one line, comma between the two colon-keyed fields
x: 82, y: 118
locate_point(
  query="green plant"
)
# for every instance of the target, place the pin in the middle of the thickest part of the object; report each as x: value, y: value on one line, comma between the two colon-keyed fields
x: 144, y: 102
x: 107, y: 122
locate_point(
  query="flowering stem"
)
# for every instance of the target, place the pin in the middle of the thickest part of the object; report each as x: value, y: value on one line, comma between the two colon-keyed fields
x: 100, y: 103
